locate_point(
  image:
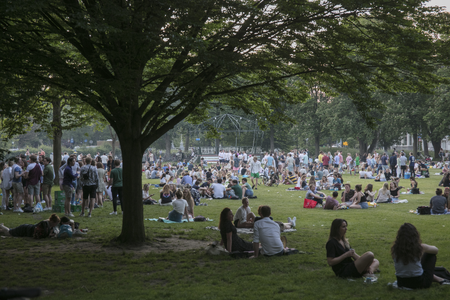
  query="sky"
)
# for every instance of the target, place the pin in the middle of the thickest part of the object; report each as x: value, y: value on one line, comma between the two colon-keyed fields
x: 440, y: 3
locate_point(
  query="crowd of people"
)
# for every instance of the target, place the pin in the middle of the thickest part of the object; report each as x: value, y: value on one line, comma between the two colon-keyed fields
x: 27, y: 180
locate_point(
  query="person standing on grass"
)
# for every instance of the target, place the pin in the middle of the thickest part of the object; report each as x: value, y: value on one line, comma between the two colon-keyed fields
x: 89, y: 179
x: 255, y: 168
x: 412, y: 163
x: 48, y: 183
x: 349, y: 161
x: 343, y: 259
x: 414, y: 262
x: 68, y: 178
x: 116, y: 181
x: 326, y: 161
x: 33, y: 174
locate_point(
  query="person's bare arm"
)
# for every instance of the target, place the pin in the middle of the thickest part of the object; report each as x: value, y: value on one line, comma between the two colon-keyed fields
x: 429, y: 249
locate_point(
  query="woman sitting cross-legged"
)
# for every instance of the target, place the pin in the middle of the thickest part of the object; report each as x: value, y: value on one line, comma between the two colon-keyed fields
x: 41, y: 230
x: 414, y: 262
x: 180, y: 208
x: 384, y: 194
x: 343, y: 259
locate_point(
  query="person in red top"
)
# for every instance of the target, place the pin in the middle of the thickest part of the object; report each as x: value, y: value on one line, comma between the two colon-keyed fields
x: 326, y: 161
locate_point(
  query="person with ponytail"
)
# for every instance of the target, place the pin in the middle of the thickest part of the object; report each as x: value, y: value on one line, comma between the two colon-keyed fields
x: 41, y: 230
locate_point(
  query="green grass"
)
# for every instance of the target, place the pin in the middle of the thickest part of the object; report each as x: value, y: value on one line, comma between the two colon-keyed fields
x: 92, y: 268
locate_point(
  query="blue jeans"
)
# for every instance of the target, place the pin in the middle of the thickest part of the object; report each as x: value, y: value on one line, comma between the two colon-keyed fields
x: 364, y: 205
x: 248, y: 193
x: 74, y: 183
x: 175, y: 216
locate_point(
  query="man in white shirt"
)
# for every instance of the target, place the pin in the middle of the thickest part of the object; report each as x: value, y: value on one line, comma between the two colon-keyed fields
x: 255, y: 168
x: 244, y: 218
x: 268, y: 233
x: 221, y: 157
x: 245, y: 158
x: 218, y: 189
x: 104, y: 160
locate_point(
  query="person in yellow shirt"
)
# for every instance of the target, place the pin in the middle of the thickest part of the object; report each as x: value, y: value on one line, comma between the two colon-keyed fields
x: 320, y: 158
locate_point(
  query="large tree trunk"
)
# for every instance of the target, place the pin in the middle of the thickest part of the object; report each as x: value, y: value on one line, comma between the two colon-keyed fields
x: 362, y: 147
x: 186, y: 145
x: 57, y: 135
x: 133, y: 217
x: 272, y: 144
x: 168, y: 146
x: 317, y: 144
x: 217, y: 146
x: 415, y: 144
x: 373, y: 144
x: 425, y: 147
x: 437, y: 147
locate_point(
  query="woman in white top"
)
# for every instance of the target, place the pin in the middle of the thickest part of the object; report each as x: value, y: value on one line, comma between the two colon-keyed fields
x: 180, y: 208
x: 384, y: 194
x: 146, y: 196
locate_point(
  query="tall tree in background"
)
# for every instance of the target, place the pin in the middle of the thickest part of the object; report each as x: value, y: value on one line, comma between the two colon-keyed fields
x: 146, y: 65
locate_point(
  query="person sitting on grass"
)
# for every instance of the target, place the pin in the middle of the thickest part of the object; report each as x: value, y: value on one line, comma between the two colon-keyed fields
x: 166, y: 196
x: 291, y: 179
x: 246, y: 188
x: 267, y: 232
x: 414, y: 262
x: 414, y: 186
x: 332, y: 203
x: 146, y: 198
x: 381, y: 176
x: 41, y: 230
x: 337, y: 181
x: 343, y: 259
x: 384, y: 194
x: 438, y: 203
x: 394, y: 187
x: 313, y: 195
x: 190, y: 201
x: 180, y: 208
x: 218, y: 191
x: 235, y: 190
x: 244, y: 217
x: 231, y: 241
x: 347, y: 194
x: 323, y: 184
x: 369, y: 193
x: 359, y: 200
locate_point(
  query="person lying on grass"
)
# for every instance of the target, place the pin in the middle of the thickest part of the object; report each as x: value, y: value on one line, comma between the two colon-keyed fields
x: 180, y: 208
x: 231, y: 241
x: 332, y: 203
x: 266, y: 233
x: 41, y: 230
x: 414, y: 262
x: 343, y: 259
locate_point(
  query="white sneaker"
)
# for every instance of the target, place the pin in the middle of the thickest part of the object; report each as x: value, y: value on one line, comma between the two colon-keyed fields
x: 294, y: 220
x: 114, y: 213
x: 20, y: 210
x: 43, y: 201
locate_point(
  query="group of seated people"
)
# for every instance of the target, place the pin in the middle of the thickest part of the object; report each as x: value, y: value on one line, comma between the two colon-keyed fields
x: 267, y: 238
x: 414, y: 261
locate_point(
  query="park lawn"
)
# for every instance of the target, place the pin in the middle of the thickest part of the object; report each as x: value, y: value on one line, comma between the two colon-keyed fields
x: 92, y: 267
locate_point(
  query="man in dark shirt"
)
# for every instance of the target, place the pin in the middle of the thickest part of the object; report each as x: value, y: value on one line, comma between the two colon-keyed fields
x: 348, y: 193
x: 384, y: 161
x: 393, y: 163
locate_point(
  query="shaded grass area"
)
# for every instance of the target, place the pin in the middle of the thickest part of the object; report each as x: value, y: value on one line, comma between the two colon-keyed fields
x: 92, y: 268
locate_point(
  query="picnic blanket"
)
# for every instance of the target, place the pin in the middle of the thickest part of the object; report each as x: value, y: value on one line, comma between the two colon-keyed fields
x: 245, y: 230
x: 409, y: 193
x: 164, y: 220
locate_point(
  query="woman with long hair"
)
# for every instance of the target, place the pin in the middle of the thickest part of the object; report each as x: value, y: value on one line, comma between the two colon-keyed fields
x: 369, y: 193
x: 180, y: 208
x: 228, y: 232
x: 188, y: 197
x: 414, y: 262
x: 359, y: 199
x: 343, y: 259
x: 384, y: 194
x: 166, y: 196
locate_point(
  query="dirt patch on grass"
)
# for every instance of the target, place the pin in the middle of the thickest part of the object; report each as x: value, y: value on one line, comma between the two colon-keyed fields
x: 79, y: 245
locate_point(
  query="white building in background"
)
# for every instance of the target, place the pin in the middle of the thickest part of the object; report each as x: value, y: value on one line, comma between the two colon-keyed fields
x: 407, y: 143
